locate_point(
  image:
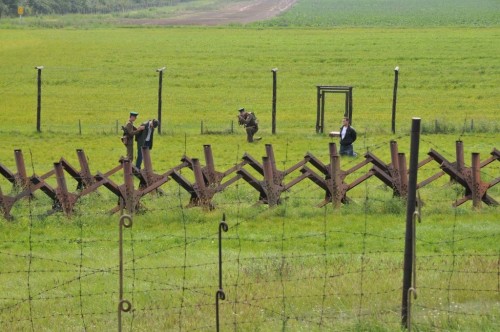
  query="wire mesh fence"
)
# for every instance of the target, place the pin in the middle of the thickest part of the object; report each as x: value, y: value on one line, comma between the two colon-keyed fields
x: 292, y: 267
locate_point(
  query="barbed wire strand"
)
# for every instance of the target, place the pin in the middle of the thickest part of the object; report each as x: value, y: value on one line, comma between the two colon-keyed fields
x: 80, y: 268
x: 30, y: 261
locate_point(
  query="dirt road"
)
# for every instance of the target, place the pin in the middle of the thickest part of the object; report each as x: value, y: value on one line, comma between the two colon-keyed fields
x: 241, y: 12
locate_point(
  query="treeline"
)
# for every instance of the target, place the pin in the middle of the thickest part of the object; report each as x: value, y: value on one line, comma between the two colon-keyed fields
x: 40, y: 7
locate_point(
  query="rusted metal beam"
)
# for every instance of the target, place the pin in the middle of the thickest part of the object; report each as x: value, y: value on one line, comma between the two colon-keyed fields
x: 109, y: 184
x: 65, y: 199
x: 317, y: 163
x: 203, y: 189
x: 22, y: 179
x: 459, y: 153
x: 6, y: 203
x: 39, y: 183
x: 8, y: 174
x: 233, y: 169
x: 69, y: 169
x: 430, y: 179
x: 202, y: 194
x: 19, y: 179
x: 451, y: 170
x: 383, y: 176
x: 425, y: 161
x: 361, y: 179
x: 394, y: 175
x: 83, y: 177
x: 97, y: 183
x: 127, y: 189
x: 224, y: 185
x: 358, y: 166
x: 277, y: 175
x: 436, y: 156
x: 333, y: 183
x: 292, y: 183
x: 337, y: 190
x: 403, y: 173
x: 114, y: 170
x: 495, y: 155
x: 314, y: 177
x: 252, y: 181
x: 271, y: 184
x: 146, y: 175
x: 296, y: 166
x: 377, y: 162
x: 212, y: 177
x: 253, y: 163
x: 478, y: 188
x: 182, y: 181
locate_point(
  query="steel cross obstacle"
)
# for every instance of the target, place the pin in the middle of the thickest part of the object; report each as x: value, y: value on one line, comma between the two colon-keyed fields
x: 208, y: 181
x: 149, y: 182
x: 334, y: 177
x: 268, y: 181
x: 19, y: 179
x: 271, y: 186
x: 23, y: 185
x: 83, y: 177
x: 394, y: 174
x: 468, y: 177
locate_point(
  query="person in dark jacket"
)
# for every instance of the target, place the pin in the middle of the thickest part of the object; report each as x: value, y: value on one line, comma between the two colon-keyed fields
x: 250, y: 122
x: 145, y: 138
x: 347, y: 137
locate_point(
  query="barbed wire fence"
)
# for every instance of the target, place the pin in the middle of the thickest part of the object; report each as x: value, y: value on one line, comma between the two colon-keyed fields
x: 287, y: 268
x: 66, y: 105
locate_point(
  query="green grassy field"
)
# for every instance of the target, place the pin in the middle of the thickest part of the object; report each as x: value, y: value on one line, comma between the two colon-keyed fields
x: 390, y: 13
x: 295, y: 267
x: 212, y: 72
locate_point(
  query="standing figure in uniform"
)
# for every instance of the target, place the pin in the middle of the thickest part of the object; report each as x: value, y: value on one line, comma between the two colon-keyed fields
x: 250, y: 122
x: 129, y: 131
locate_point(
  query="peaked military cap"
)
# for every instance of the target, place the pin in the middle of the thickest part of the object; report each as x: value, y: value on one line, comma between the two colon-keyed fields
x: 134, y: 114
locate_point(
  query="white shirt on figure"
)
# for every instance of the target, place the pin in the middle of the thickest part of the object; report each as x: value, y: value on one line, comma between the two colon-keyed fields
x: 342, y: 133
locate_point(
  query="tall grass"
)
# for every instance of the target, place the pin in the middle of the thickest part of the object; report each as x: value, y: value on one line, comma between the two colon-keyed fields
x: 348, y: 259
x: 212, y: 72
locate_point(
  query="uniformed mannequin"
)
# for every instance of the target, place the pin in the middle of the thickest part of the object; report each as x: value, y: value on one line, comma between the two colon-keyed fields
x: 250, y: 122
x: 129, y: 132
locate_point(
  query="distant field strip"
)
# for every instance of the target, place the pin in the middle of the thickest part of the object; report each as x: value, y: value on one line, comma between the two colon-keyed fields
x: 390, y: 13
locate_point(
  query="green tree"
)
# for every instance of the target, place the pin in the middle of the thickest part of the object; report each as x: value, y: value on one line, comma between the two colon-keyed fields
x: 8, y: 8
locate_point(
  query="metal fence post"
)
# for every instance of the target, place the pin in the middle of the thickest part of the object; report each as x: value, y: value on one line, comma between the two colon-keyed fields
x: 410, y: 210
x: 160, y: 86
x: 274, y: 70
x: 394, y: 97
x: 123, y: 305
x: 39, y: 98
x: 220, y: 295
